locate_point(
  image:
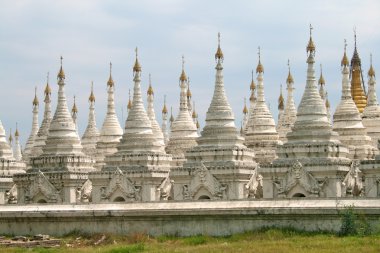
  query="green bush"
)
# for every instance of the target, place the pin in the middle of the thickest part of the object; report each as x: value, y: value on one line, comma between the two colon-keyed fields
x: 353, y: 223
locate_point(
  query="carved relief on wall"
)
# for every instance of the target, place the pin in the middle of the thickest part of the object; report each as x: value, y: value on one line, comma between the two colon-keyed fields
x: 254, y: 188
x: 83, y: 193
x: 11, y: 195
x: 297, y: 176
x: 352, y: 184
x: 41, y: 190
x: 165, y: 190
x: 120, y: 188
x: 204, y: 181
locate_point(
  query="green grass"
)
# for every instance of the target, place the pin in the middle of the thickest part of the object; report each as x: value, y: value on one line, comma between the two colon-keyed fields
x: 266, y: 241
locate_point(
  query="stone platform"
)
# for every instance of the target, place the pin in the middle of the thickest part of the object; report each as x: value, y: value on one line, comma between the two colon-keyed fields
x: 216, y: 218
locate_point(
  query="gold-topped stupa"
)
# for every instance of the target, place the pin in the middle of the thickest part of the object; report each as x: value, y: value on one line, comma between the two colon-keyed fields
x: 357, y: 83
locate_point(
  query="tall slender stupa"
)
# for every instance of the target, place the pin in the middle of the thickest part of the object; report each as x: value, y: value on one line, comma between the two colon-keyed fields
x: 220, y: 166
x: 152, y: 115
x: 43, y: 131
x: 371, y: 113
x: 183, y: 131
x: 91, y: 134
x: 252, y: 102
x: 33, y: 133
x: 261, y: 133
x: 348, y: 123
x: 290, y: 113
x: 111, y: 132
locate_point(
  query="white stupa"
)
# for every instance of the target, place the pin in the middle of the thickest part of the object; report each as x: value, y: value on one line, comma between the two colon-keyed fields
x: 371, y: 113
x: 220, y: 166
x: 111, y: 132
x: 33, y: 133
x: 183, y: 131
x: 152, y: 115
x: 348, y: 123
x: 91, y: 134
x: 43, y: 131
x: 289, y: 116
x: 261, y: 134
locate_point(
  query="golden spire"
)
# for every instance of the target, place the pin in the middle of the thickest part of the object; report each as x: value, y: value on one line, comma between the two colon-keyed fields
x: 241, y: 128
x: 310, y: 46
x: 194, y: 114
x: 245, y: 109
x: 281, y: 100
x: 219, y: 53
x: 345, y: 59
x: 110, y: 82
x: 183, y: 77
x: 321, y: 80
x: 357, y: 83
x: 371, y: 71
x: 164, y: 109
x: 150, y: 91
x: 260, y: 67
x: 252, y: 87
x: 197, y: 124
x: 17, y: 134
x: 171, y: 114
x: 47, y: 88
x: 92, y: 96
x: 129, y: 106
x: 10, y: 137
x: 290, y: 77
x: 74, y: 110
x: 188, y: 93
x: 137, y: 66
x: 35, y: 100
x: 61, y: 73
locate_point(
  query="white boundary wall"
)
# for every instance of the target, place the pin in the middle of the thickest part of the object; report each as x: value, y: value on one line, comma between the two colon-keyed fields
x: 215, y: 218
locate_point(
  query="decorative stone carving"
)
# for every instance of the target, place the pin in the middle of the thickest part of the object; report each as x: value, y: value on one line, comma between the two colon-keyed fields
x: 11, y: 195
x: 41, y: 186
x: 165, y: 190
x: 202, y: 178
x: 120, y: 183
x: 84, y: 192
x: 254, y: 187
x: 297, y: 175
x: 352, y: 184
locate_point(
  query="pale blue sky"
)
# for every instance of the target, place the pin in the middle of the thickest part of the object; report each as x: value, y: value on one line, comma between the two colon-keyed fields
x: 91, y: 33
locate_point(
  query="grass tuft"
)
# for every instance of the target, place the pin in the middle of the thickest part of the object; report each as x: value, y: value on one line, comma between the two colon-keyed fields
x: 134, y: 248
x: 195, y: 240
